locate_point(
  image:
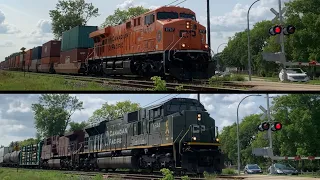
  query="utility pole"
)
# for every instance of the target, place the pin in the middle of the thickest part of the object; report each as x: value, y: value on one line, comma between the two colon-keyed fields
x: 199, y: 97
x: 209, y: 26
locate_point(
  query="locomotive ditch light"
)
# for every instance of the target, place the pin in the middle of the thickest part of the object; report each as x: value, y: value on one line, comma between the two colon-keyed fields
x: 194, y: 138
x: 199, y: 117
x: 183, y: 45
x: 206, y: 46
x: 264, y: 126
x: 275, y: 30
x: 276, y: 126
x: 217, y: 139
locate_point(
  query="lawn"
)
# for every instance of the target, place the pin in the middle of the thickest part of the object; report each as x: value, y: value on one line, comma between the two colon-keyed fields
x: 22, y: 174
x: 17, y: 81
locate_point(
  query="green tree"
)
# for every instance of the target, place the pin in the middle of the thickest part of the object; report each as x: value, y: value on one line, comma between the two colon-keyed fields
x: 110, y: 111
x: 121, y: 16
x: 69, y: 14
x: 53, y: 112
x: 29, y: 141
x: 74, y: 126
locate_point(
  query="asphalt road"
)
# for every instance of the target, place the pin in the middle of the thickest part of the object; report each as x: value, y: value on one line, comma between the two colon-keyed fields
x: 269, y: 177
x: 278, y: 86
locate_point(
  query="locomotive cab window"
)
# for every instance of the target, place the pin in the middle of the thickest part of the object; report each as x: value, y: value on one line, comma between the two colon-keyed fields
x: 149, y: 19
x: 167, y: 15
x: 187, y: 16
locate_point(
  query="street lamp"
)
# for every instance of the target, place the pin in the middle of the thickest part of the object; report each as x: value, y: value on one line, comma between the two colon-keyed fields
x: 249, y: 53
x: 238, y: 139
x: 218, y: 53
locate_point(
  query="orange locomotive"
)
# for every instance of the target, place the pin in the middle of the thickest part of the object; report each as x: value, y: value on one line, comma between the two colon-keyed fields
x: 165, y: 41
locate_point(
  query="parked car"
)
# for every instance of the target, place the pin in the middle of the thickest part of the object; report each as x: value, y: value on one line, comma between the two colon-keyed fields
x: 252, y: 169
x: 284, y: 169
x: 294, y: 75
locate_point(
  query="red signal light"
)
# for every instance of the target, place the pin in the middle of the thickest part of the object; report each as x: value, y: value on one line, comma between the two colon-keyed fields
x: 264, y: 126
x: 277, y: 30
x: 289, y: 30
x: 276, y: 126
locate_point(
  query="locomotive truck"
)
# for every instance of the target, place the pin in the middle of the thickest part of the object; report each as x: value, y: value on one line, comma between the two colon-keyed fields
x: 177, y: 134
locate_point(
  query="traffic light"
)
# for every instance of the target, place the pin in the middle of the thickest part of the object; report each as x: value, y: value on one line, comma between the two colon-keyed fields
x: 276, y: 126
x: 289, y: 30
x: 264, y: 126
x: 275, y: 30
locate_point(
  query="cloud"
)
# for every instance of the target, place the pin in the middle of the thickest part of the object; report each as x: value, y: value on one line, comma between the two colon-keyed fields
x: 6, y: 28
x: 7, y: 44
x: 40, y: 35
x: 126, y: 4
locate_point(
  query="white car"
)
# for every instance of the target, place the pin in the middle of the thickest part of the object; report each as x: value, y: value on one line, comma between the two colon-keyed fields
x: 294, y: 75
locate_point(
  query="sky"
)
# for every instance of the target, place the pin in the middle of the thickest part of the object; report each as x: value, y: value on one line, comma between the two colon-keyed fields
x: 17, y: 117
x: 26, y: 24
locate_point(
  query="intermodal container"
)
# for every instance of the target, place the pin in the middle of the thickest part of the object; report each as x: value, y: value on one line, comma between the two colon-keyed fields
x: 78, y: 38
x: 74, y: 55
x: 17, y: 62
x: 28, y: 57
x: 49, y: 60
x: 51, y: 49
x: 36, y: 53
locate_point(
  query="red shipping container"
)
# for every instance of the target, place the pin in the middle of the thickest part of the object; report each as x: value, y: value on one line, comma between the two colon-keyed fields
x: 74, y: 55
x: 51, y: 49
x: 28, y: 57
x: 49, y: 60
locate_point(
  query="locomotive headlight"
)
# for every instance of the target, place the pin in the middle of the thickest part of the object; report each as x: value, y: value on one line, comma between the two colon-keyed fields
x: 199, y: 117
x: 194, y: 138
x: 188, y: 25
x: 183, y: 45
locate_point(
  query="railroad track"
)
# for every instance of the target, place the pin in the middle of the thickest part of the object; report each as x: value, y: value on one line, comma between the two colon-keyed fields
x: 145, y: 84
x: 145, y: 176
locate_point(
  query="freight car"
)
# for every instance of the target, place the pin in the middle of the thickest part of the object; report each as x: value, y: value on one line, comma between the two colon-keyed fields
x: 167, y: 41
x: 178, y: 134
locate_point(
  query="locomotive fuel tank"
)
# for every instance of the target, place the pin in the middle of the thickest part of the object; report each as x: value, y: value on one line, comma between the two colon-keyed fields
x: 54, y: 163
x: 129, y: 162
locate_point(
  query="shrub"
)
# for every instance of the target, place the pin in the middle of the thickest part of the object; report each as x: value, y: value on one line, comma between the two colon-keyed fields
x: 237, y: 77
x: 179, y: 88
x: 185, y: 178
x: 159, y: 84
x: 229, y: 171
x: 209, y: 176
x: 168, y: 175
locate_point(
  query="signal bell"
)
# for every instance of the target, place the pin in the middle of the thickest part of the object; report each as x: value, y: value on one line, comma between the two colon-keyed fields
x: 264, y: 126
x: 276, y: 126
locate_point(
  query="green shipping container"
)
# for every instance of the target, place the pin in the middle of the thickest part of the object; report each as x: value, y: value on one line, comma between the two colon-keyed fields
x: 78, y: 37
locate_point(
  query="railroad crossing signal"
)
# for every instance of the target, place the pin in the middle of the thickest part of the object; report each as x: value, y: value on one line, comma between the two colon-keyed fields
x: 276, y: 126
x: 289, y: 30
x: 264, y: 126
x: 277, y: 14
x: 275, y: 30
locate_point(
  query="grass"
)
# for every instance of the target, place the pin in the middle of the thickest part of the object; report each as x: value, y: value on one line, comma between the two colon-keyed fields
x: 17, y: 81
x: 12, y: 174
